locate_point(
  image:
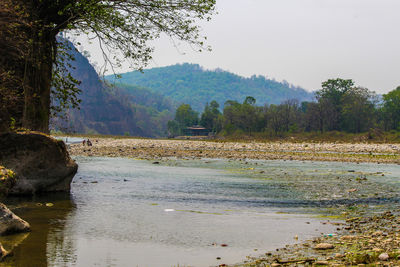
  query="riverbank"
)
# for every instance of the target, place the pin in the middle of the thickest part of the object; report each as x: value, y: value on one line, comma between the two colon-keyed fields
x: 158, y: 149
x: 369, y: 240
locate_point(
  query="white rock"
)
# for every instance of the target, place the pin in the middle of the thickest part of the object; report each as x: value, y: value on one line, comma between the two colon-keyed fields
x: 383, y: 257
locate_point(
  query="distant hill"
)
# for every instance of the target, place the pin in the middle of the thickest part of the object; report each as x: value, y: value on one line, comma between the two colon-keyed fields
x: 191, y: 84
x: 104, y: 109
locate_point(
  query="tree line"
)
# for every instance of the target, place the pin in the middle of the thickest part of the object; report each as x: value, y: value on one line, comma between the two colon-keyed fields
x: 339, y: 106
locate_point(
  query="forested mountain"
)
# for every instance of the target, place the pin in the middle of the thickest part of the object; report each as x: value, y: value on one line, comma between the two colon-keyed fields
x: 105, y: 109
x: 191, y: 84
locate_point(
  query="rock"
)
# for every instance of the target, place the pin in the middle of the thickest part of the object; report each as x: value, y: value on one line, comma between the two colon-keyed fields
x: 3, y: 253
x: 377, y: 233
x: 322, y: 246
x: 321, y: 263
x: 348, y: 237
x: 7, y: 180
x: 338, y: 256
x: 41, y: 163
x: 11, y: 223
x: 383, y: 257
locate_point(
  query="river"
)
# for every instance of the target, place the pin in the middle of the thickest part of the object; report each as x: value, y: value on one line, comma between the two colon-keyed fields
x: 127, y: 212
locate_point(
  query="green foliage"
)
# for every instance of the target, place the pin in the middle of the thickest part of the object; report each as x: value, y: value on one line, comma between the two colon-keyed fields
x: 173, y: 128
x: 126, y: 26
x: 7, y: 180
x: 330, y: 96
x: 339, y: 105
x: 210, y: 117
x: 391, y: 109
x: 343, y: 107
x: 65, y: 88
x: 241, y: 116
x: 358, y: 110
x: 190, y: 83
x: 185, y: 116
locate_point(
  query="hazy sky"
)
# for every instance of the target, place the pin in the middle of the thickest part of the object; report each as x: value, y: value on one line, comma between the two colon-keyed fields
x: 302, y: 41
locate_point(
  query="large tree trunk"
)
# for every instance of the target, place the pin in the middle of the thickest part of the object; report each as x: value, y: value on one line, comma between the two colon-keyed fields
x: 26, y: 71
x: 13, y: 50
x: 37, y: 84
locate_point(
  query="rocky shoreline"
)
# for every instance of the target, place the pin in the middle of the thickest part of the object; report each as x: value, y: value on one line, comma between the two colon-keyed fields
x: 158, y: 149
x: 371, y: 240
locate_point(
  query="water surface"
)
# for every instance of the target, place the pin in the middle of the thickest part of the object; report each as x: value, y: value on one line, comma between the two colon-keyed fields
x: 126, y: 212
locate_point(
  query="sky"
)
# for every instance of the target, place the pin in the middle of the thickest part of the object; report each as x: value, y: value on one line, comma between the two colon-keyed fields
x: 304, y: 42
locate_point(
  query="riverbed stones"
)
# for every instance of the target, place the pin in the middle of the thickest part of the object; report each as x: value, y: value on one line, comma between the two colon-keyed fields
x: 151, y: 149
x: 383, y: 256
x: 324, y: 246
x: 11, y: 223
x: 41, y: 163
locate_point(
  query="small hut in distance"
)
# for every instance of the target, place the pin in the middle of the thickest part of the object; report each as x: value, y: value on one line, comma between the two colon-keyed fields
x: 196, y: 130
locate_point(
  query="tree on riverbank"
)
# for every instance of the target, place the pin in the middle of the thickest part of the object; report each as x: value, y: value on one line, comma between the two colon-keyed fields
x: 185, y: 116
x: 391, y: 110
x: 119, y: 26
x: 340, y: 106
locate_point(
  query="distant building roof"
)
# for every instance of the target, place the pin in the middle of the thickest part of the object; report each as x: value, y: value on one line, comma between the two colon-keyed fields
x: 196, y: 130
x: 196, y: 127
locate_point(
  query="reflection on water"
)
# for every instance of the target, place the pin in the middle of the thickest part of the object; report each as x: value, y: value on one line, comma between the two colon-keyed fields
x: 125, y: 212
x: 46, y: 240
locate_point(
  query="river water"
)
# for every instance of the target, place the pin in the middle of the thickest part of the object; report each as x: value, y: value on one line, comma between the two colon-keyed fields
x: 127, y: 212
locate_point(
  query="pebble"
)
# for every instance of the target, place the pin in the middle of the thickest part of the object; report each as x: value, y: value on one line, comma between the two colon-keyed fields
x: 383, y: 257
x: 151, y: 148
x: 322, y: 246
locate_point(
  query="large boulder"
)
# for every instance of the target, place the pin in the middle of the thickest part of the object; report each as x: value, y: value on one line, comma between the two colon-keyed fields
x: 40, y: 163
x: 11, y: 223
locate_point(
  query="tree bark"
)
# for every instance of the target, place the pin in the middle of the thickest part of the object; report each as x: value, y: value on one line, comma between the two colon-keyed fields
x: 26, y: 72
x: 37, y: 84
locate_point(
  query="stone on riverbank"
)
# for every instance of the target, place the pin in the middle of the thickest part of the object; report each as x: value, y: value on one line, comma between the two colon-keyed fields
x: 11, y: 223
x: 323, y: 246
x: 383, y: 257
x: 153, y: 149
x: 41, y: 163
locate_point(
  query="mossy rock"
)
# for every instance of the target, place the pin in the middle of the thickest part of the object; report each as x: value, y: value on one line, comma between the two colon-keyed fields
x: 362, y: 257
x: 7, y: 180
